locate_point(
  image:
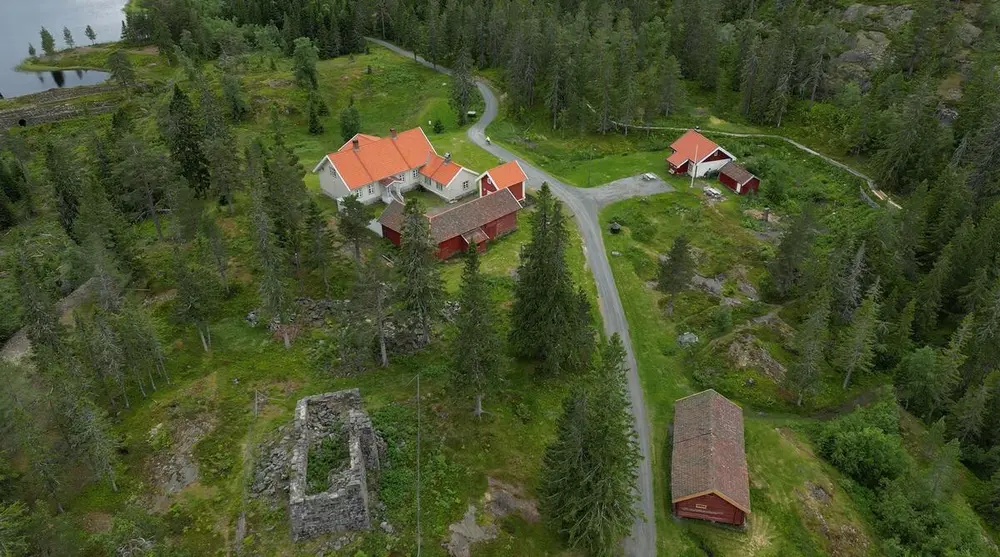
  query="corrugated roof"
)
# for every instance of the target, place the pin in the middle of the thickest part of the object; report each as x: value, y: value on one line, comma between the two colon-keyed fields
x: 458, y: 220
x: 708, y: 451
x: 378, y: 158
x: 690, y: 145
x: 736, y: 172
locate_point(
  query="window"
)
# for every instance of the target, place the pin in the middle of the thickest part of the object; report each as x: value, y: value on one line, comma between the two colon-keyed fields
x: 439, y: 186
x: 465, y: 185
x: 415, y: 172
x: 333, y: 171
x: 371, y: 189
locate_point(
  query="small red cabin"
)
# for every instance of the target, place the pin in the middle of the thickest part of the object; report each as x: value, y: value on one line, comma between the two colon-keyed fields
x: 708, y: 469
x: 457, y: 227
x: 695, y: 154
x: 509, y: 176
x: 738, y: 179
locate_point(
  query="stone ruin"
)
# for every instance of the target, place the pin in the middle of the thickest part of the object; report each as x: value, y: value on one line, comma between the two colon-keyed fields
x: 345, y: 505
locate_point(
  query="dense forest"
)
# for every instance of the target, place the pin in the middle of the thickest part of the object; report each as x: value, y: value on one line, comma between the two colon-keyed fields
x: 912, y: 295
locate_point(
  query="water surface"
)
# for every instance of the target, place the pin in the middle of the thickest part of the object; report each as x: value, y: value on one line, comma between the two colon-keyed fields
x: 20, y: 22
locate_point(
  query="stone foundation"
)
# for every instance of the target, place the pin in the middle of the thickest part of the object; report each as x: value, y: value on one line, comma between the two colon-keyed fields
x: 344, y: 506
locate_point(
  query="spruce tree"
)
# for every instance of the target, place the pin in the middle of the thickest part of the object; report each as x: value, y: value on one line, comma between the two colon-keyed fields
x: 803, y: 376
x: 235, y: 97
x: 68, y: 38
x: 966, y: 417
x: 48, y: 43
x: 315, y: 122
x: 856, y: 350
x: 287, y: 201
x: 793, y: 251
x: 320, y: 243
x: 186, y: 140
x: 587, y: 491
x: 463, y: 87
x: 670, y: 90
x: 477, y: 350
x: 196, y: 296
x: 91, y: 35
x: 215, y: 242
x: 67, y: 186
x: 31, y: 51
x: 353, y: 222
x: 350, y: 122
x: 548, y: 321
x: 144, y: 174
x: 676, y: 271
x: 273, y: 295
x: 94, y: 438
x: 420, y: 290
x: 930, y: 292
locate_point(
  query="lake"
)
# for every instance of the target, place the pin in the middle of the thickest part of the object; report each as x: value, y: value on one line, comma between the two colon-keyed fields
x: 20, y: 23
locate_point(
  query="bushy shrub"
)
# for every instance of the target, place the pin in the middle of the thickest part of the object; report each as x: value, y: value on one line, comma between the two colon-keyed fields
x: 868, y: 455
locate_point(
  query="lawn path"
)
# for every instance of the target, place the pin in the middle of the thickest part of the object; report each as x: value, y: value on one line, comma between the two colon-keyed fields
x: 584, y: 204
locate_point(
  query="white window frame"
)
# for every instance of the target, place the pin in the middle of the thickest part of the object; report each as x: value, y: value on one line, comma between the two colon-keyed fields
x: 465, y: 185
x: 333, y: 171
x: 371, y: 189
x: 415, y: 172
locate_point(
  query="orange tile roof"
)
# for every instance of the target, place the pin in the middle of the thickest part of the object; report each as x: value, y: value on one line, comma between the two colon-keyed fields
x: 437, y: 170
x: 363, y: 139
x: 690, y: 145
x: 506, y: 175
x: 378, y: 158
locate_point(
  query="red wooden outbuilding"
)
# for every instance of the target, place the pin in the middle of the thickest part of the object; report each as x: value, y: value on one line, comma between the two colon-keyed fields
x: 457, y: 227
x: 509, y: 176
x: 738, y: 179
x: 708, y: 469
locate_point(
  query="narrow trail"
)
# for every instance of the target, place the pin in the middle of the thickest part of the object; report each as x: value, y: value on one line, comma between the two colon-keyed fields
x: 642, y: 541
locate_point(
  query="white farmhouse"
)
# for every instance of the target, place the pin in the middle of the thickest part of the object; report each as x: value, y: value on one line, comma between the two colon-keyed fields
x: 375, y: 168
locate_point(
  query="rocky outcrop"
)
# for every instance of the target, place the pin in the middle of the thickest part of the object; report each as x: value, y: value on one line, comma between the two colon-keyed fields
x: 345, y: 505
x: 886, y: 17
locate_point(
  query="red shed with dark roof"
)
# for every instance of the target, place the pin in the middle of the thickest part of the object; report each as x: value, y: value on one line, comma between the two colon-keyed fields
x: 738, y: 179
x: 460, y: 226
x: 708, y: 469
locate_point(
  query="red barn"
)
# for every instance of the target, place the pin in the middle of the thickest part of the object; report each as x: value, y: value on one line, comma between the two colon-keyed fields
x: 696, y: 154
x: 738, y: 179
x: 457, y: 227
x: 708, y: 469
x: 509, y: 175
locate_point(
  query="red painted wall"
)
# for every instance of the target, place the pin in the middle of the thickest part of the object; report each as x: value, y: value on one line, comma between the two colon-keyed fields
x: 709, y: 507
x: 752, y: 185
x: 680, y: 169
x: 718, y: 155
x: 729, y: 182
x: 518, y: 191
x: 485, y: 186
x: 450, y: 247
x: 390, y: 234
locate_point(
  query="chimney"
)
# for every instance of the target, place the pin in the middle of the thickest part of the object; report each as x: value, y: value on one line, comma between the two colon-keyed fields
x: 392, y: 132
x: 447, y: 158
x: 767, y: 214
x: 356, y: 144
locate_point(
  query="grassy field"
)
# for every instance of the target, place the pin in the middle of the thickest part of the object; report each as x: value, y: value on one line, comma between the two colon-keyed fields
x: 221, y: 405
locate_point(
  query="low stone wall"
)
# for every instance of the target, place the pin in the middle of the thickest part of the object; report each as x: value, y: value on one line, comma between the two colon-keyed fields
x: 32, y: 115
x: 344, y: 506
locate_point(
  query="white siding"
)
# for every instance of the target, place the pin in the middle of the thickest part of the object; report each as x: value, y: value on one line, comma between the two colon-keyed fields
x: 330, y: 183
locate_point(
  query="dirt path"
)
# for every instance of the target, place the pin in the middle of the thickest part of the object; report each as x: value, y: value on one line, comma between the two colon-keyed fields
x: 18, y: 347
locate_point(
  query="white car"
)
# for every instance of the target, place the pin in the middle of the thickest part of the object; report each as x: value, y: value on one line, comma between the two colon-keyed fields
x: 649, y: 176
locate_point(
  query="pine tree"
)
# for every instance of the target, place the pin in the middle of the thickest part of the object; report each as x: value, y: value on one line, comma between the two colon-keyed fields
x: 225, y: 170
x: 91, y: 35
x: 353, y: 223
x: 68, y: 38
x: 856, y: 350
x: 143, y: 351
x: 420, y: 289
x: 96, y: 441
x: 477, y: 349
x: 676, y: 271
x: 463, y: 87
x: 930, y: 292
x: 588, y: 480
x: 350, y: 122
x: 186, y: 140
x: 848, y: 281
x: 31, y: 50
x: 287, y: 201
x: 214, y: 240
x: 48, y: 43
x: 670, y: 90
x: 374, y: 293
x: 145, y: 175
x: 304, y: 60
x: 38, y: 312
x: 899, y: 341
x: 803, y: 375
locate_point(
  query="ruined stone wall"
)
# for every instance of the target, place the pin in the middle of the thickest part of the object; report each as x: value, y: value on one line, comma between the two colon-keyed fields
x: 344, y: 506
